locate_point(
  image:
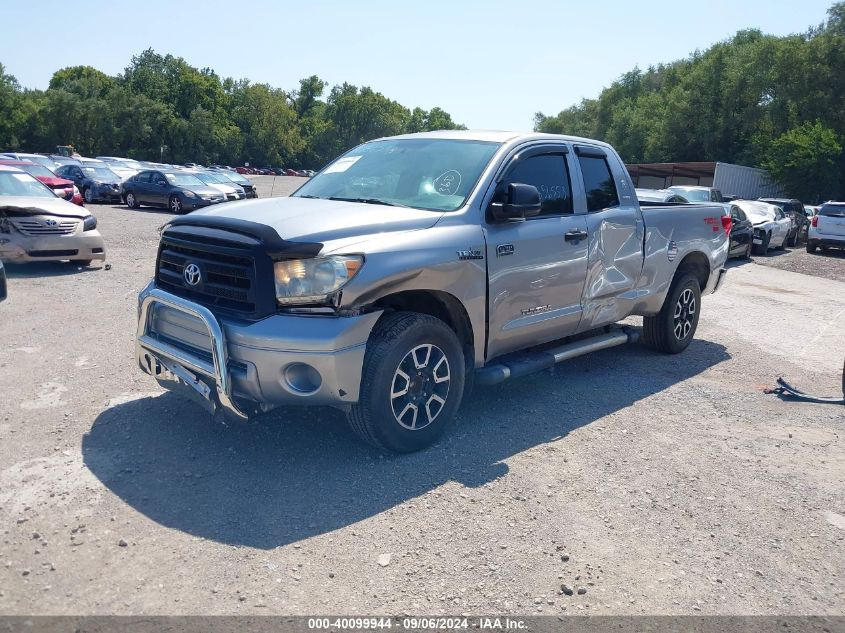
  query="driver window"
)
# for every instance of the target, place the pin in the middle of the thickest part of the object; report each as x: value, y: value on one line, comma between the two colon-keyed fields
x: 547, y: 172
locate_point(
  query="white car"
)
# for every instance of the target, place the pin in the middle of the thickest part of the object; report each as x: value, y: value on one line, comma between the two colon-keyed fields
x: 231, y: 190
x: 771, y: 226
x: 827, y: 228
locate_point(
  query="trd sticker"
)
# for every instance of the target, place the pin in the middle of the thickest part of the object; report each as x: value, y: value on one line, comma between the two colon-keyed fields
x: 503, y: 250
x: 470, y: 253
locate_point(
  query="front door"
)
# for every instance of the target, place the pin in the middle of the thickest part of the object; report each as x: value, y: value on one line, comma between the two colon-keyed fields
x: 536, y: 266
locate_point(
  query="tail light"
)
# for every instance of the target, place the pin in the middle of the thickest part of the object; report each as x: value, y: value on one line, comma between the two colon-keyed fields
x: 727, y: 223
x: 815, y: 221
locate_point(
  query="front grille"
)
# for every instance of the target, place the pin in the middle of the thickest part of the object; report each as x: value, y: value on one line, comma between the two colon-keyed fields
x: 67, y: 253
x: 35, y: 227
x: 227, y: 280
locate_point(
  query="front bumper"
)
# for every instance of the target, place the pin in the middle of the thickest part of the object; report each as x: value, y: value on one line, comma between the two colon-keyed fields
x: 83, y: 245
x: 197, y: 203
x: 240, y: 368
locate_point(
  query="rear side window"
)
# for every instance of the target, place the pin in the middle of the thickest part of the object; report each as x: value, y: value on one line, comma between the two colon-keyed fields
x: 598, y: 183
x: 547, y: 172
x: 833, y: 210
x: 738, y: 214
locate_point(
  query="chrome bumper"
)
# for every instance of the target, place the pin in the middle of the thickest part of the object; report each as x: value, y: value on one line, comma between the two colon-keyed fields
x: 174, y: 368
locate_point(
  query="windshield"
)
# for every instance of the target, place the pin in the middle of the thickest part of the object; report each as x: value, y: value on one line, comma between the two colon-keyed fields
x: 218, y: 180
x: 99, y: 173
x: 18, y: 184
x: 183, y: 180
x: 235, y: 177
x: 430, y: 174
x: 37, y: 170
x: 833, y: 210
x: 692, y: 194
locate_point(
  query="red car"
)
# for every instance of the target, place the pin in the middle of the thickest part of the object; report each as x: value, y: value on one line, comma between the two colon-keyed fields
x: 63, y: 188
x: 243, y: 170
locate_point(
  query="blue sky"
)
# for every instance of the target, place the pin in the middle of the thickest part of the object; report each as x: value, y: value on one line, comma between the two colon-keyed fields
x: 490, y: 64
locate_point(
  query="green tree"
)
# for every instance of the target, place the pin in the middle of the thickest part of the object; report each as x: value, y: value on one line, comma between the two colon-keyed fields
x: 806, y: 161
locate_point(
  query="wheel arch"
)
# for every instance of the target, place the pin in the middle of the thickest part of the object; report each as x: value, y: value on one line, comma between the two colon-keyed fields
x: 696, y: 264
x: 439, y: 304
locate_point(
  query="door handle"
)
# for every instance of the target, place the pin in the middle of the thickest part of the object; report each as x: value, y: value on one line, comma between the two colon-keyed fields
x: 576, y: 235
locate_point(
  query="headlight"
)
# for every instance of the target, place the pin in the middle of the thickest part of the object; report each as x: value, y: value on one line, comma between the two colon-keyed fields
x: 303, y: 281
x: 89, y: 223
x: 189, y: 194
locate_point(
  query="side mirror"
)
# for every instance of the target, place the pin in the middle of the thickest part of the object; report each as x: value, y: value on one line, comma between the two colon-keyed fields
x: 521, y: 201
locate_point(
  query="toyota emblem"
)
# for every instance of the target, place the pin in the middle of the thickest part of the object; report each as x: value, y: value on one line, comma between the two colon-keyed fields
x: 50, y: 222
x: 192, y: 274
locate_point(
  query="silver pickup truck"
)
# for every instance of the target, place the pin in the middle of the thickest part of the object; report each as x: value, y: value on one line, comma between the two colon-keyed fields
x: 414, y: 266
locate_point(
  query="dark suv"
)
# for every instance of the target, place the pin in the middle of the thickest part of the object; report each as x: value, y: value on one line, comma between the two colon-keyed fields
x: 795, y: 210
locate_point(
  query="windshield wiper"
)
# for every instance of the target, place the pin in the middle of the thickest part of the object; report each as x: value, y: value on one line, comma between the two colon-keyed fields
x: 369, y: 201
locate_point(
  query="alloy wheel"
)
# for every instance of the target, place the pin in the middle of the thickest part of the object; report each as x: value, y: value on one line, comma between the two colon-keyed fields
x: 684, y: 316
x: 420, y: 387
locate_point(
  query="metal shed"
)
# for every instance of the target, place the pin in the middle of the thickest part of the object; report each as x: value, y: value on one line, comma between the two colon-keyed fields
x: 731, y: 180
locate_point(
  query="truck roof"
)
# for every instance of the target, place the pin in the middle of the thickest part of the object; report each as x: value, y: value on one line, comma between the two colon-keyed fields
x: 497, y: 136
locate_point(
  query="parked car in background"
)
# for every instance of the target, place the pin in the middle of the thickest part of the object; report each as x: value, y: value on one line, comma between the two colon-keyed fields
x: 48, y: 162
x: 240, y: 180
x: 96, y: 181
x: 771, y: 227
x: 221, y: 183
x: 243, y: 170
x: 62, y: 187
x: 659, y: 196
x: 35, y: 225
x: 698, y: 194
x: 794, y: 209
x: 742, y: 232
x: 810, y: 211
x: 827, y: 228
x: 178, y: 191
x: 123, y: 167
x: 61, y: 161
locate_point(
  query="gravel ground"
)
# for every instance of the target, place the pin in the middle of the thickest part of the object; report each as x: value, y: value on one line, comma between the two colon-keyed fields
x: 658, y: 484
x: 830, y: 264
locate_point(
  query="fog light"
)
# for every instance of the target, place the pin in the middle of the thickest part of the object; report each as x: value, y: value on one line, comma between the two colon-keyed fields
x: 302, y: 379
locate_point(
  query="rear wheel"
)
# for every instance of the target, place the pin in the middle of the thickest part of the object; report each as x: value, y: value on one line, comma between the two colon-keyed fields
x: 794, y: 240
x: 175, y: 205
x: 811, y: 248
x: 747, y: 253
x: 412, y: 383
x: 671, y: 330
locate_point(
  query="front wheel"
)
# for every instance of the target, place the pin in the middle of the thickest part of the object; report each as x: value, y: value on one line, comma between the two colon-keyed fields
x: 131, y: 200
x: 88, y: 195
x: 175, y: 205
x: 671, y: 330
x: 747, y: 253
x: 412, y: 383
x: 763, y: 249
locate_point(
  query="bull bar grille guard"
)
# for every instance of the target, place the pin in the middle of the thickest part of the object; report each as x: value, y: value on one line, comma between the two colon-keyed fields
x: 179, y: 362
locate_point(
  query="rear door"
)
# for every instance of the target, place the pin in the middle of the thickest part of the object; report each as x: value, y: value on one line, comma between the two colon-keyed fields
x: 740, y: 230
x: 616, y: 228
x: 536, y: 266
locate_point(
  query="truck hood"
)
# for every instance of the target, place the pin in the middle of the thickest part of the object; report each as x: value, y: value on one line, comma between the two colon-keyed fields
x: 315, y: 220
x: 32, y: 205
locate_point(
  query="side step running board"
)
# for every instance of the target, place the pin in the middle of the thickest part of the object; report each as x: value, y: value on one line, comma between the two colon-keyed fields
x: 532, y: 362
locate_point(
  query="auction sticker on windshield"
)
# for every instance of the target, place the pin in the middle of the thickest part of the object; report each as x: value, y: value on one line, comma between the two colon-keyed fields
x: 342, y: 164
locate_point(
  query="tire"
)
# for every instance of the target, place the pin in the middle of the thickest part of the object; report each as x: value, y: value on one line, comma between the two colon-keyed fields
x: 88, y: 195
x: 175, y: 205
x: 764, y: 247
x: 747, y: 253
x: 811, y: 248
x: 393, y: 397
x: 131, y: 200
x: 794, y: 241
x: 672, y: 329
